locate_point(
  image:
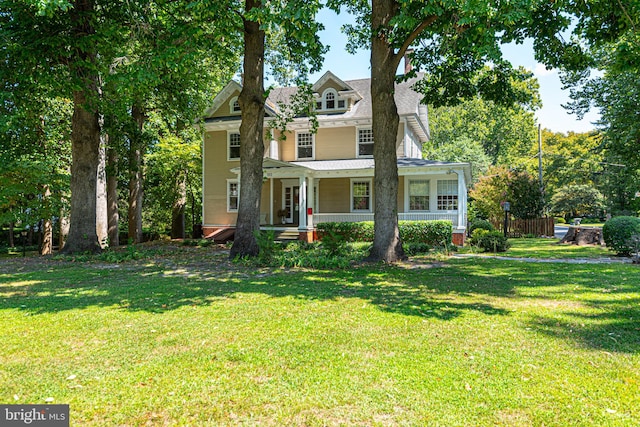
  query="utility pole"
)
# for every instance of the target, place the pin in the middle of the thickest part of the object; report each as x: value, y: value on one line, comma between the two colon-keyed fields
x: 540, y: 157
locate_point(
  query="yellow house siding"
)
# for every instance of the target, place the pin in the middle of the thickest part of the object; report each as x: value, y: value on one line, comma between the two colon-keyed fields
x: 336, y: 143
x: 288, y: 147
x: 224, y: 110
x: 334, y: 195
x: 215, y: 179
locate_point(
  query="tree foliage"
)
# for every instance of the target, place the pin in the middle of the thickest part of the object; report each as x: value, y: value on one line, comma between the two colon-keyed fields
x: 502, y: 185
x: 577, y: 201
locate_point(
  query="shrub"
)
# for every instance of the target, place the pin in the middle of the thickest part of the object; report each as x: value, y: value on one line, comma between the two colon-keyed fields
x: 267, y: 244
x: 480, y: 224
x: 493, y: 241
x: 477, y: 234
x: 560, y: 220
x: 619, y: 233
x: 415, y: 248
x: 334, y: 243
x: 433, y: 233
x: 350, y: 231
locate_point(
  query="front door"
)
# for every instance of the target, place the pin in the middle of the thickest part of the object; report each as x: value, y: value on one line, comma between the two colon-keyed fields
x: 291, y: 204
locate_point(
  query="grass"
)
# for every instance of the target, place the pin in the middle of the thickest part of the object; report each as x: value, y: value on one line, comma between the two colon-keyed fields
x: 543, y: 248
x: 186, y: 338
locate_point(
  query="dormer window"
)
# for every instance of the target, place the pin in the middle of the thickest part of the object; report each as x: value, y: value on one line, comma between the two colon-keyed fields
x: 234, y: 105
x: 329, y: 101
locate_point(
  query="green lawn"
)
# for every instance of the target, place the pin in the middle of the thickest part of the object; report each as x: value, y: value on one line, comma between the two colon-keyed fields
x: 186, y: 338
x: 542, y: 248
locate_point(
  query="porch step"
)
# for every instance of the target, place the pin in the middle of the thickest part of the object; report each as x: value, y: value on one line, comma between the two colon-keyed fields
x: 287, y: 234
x: 222, y: 235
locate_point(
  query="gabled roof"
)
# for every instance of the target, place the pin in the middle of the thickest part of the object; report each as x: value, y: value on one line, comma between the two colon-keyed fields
x: 342, y: 86
x: 222, y: 97
x: 407, y: 101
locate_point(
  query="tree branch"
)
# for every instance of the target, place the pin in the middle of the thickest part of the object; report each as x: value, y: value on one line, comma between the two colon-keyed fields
x: 412, y: 37
x: 633, y: 26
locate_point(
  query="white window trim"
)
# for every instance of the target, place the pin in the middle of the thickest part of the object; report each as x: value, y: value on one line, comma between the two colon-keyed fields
x: 335, y: 99
x: 313, y: 145
x: 231, y: 103
x: 229, y: 182
x: 408, y: 193
x: 229, y: 133
x: 358, y: 129
x: 358, y: 180
x: 457, y: 196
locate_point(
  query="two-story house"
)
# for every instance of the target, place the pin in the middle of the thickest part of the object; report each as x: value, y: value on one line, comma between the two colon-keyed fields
x: 311, y: 178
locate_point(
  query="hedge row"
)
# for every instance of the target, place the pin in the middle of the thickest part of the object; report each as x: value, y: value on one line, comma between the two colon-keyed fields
x: 433, y: 233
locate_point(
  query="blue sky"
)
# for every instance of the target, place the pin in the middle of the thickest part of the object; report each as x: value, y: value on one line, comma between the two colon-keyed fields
x: 551, y: 115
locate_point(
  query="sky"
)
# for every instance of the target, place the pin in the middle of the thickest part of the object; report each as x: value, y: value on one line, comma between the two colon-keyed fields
x: 551, y: 116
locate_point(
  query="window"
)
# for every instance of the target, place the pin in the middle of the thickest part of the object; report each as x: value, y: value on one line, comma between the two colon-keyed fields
x: 234, y: 146
x: 447, y: 195
x: 234, y: 105
x: 365, y: 142
x: 341, y: 104
x: 419, y: 195
x: 361, y: 195
x: 304, y: 142
x: 233, y: 193
x: 330, y: 101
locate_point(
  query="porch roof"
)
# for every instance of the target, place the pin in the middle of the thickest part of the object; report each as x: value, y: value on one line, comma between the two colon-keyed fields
x: 356, y: 167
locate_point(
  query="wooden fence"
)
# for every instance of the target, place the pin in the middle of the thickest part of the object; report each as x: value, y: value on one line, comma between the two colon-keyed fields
x: 521, y: 227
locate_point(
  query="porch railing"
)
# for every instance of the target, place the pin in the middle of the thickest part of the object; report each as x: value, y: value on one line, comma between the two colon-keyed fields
x: 357, y: 217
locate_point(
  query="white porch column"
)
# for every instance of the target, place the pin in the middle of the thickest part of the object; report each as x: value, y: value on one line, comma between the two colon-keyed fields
x: 302, y: 204
x: 271, y: 201
x: 462, y: 200
x: 312, y: 198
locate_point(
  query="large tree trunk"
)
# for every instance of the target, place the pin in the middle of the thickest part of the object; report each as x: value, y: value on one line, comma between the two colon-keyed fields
x: 113, y: 215
x: 64, y: 227
x: 85, y: 143
x: 47, y: 226
x: 12, y: 226
x: 178, y: 209
x: 135, y: 176
x: 387, y: 245
x: 85, y: 137
x: 251, y: 101
x: 101, y: 198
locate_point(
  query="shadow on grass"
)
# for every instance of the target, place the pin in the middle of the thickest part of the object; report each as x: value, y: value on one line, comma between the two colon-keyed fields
x: 595, y: 306
x: 157, y: 290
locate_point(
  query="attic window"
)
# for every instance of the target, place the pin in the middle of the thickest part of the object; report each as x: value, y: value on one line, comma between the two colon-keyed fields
x: 341, y: 103
x: 235, y: 105
x: 330, y: 101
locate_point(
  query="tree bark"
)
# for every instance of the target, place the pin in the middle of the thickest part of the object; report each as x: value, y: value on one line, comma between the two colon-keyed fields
x: 47, y: 226
x: 387, y: 245
x: 251, y: 101
x: 64, y: 227
x: 101, y: 197
x: 582, y: 236
x: 178, y: 209
x: 85, y: 137
x: 12, y: 226
x: 113, y: 215
x: 136, y: 176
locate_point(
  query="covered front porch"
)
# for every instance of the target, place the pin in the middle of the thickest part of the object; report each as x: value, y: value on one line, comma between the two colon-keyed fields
x: 304, y: 194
